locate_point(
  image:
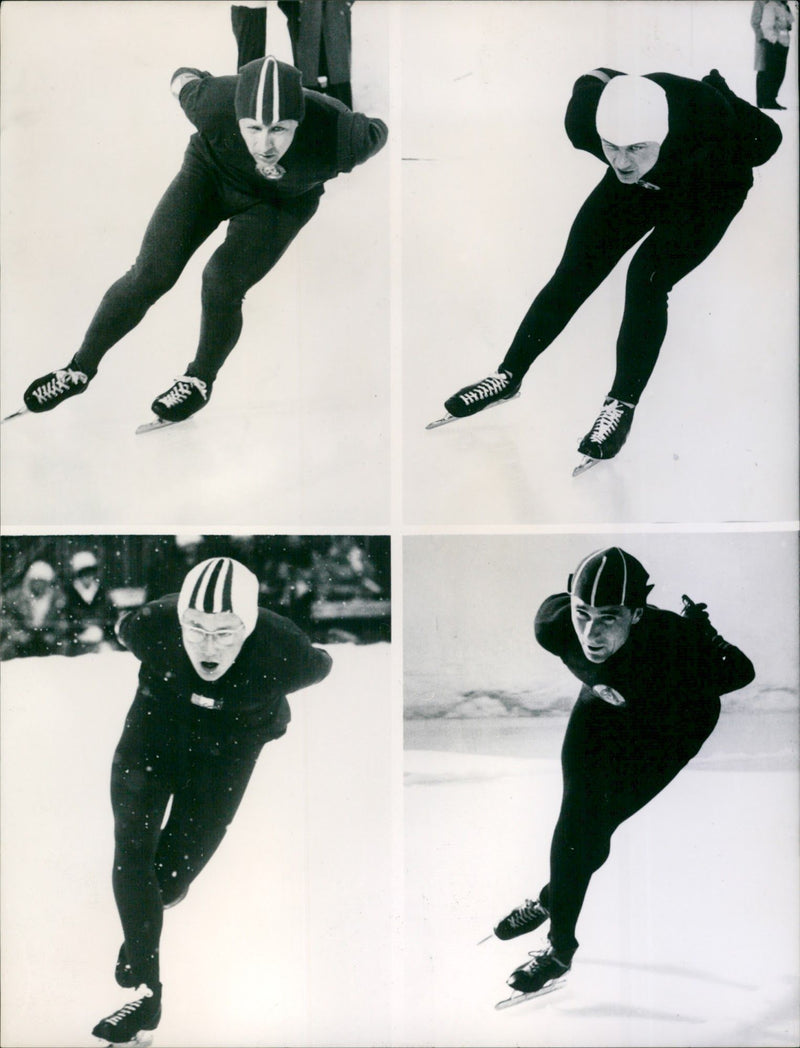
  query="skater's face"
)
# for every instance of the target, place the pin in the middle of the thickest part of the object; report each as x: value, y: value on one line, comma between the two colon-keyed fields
x: 630, y: 163
x: 267, y: 143
x: 212, y: 641
x: 602, y: 631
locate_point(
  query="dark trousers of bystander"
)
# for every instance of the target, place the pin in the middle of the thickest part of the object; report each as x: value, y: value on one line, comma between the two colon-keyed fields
x: 770, y: 78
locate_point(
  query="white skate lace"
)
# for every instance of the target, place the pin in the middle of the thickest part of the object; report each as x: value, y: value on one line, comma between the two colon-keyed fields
x: 59, y: 383
x: 524, y: 913
x: 182, y: 390
x: 607, y: 421
x: 126, y: 1010
x: 487, y: 388
x: 542, y: 957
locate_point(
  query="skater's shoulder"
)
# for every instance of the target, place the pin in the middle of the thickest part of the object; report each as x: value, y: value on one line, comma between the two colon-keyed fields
x: 273, y: 629
x: 349, y: 137
x: 660, y: 626
x: 205, y: 97
x: 553, y: 621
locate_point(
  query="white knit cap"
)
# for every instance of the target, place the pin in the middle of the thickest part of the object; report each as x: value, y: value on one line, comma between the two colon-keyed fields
x: 81, y: 561
x: 221, y: 584
x: 632, y: 109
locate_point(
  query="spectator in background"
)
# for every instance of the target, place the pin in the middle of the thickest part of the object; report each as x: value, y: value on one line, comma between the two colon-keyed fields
x: 249, y: 24
x: 772, y: 23
x: 294, y: 582
x: 760, y: 56
x: 170, y: 564
x: 349, y: 571
x: 89, y: 610
x: 32, y: 616
x: 321, y: 44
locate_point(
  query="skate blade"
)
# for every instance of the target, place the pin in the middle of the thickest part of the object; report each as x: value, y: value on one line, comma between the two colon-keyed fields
x: 158, y: 423
x: 587, y: 462
x: 520, y: 997
x: 461, y: 418
x: 15, y: 414
x: 486, y: 938
x: 143, y: 1039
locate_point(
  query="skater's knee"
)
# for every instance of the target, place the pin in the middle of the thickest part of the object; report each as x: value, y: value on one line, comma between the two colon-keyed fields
x: 151, y: 279
x: 220, y: 290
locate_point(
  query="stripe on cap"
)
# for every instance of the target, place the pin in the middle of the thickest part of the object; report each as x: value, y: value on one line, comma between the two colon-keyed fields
x: 212, y: 591
x: 269, y: 68
x: 600, y: 569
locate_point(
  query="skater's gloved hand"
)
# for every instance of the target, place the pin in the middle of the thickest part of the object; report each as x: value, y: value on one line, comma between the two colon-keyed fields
x: 181, y: 77
x: 698, y: 613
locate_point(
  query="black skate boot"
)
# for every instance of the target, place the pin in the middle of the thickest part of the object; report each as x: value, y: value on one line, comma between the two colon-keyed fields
x: 491, y: 390
x: 123, y: 973
x: 540, y: 975
x: 184, y: 397
x: 133, y: 1023
x: 610, y: 430
x: 50, y: 390
x: 524, y: 918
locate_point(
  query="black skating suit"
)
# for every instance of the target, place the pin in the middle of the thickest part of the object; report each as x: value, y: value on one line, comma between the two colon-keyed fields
x: 615, y: 759
x: 685, y: 202
x: 198, y: 742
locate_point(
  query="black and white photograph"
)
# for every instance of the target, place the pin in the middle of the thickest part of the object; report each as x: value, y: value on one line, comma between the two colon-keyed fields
x: 155, y: 276
x: 641, y: 297
x: 195, y: 830
x: 399, y: 524
x: 601, y: 801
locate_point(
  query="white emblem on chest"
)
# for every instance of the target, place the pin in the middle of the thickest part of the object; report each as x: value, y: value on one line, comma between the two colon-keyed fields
x: 206, y: 702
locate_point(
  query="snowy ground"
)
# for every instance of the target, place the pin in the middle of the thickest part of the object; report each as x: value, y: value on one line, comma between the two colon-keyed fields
x: 283, y: 940
x: 298, y: 427
x: 689, y: 932
x: 491, y: 185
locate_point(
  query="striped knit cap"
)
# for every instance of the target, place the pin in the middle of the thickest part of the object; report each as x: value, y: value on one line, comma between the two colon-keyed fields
x: 268, y: 91
x: 221, y: 584
x: 610, y: 577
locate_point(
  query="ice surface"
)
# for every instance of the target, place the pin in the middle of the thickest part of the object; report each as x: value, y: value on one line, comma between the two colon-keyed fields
x: 688, y: 935
x: 285, y: 938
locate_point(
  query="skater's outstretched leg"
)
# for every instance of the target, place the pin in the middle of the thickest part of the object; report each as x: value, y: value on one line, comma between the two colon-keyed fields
x: 139, y: 800
x: 603, y: 230
x: 610, y: 770
x: 669, y: 253
x: 606, y: 226
x: 202, y: 809
x: 255, y: 241
x: 186, y: 215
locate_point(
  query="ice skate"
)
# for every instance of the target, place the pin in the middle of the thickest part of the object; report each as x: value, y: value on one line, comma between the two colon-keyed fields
x: 133, y: 1024
x: 525, y: 918
x: 489, y: 392
x: 607, y: 435
x: 47, y: 392
x: 183, y: 399
x: 542, y: 974
x: 14, y: 414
